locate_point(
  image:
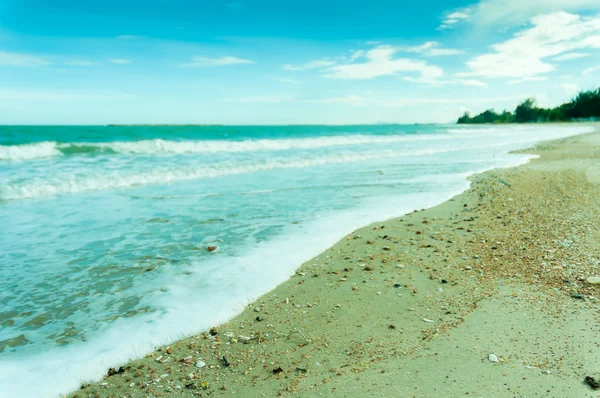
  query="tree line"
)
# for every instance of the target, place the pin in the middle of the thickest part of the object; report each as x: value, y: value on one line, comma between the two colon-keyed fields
x: 585, y: 106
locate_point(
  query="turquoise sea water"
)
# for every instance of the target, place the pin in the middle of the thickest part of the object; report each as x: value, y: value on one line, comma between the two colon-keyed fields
x: 103, y: 230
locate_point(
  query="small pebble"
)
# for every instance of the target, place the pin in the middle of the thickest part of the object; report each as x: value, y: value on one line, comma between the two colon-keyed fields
x: 593, y: 280
x: 493, y: 358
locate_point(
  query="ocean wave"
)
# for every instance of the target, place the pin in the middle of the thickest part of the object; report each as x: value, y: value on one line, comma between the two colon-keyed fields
x: 57, y: 185
x: 38, y: 150
x: 166, y: 147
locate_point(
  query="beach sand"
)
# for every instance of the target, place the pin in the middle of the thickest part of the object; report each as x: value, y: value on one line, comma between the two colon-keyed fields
x: 414, y: 306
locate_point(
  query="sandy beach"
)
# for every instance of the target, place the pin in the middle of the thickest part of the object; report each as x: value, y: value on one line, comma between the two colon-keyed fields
x: 488, y: 294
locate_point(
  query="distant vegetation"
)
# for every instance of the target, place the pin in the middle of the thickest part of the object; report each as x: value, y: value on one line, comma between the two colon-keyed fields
x: 585, y: 106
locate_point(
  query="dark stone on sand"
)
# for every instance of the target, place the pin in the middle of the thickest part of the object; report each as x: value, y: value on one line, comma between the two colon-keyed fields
x: 577, y: 296
x: 444, y: 281
x: 590, y: 381
x: 112, y: 371
x: 397, y: 285
x: 277, y: 370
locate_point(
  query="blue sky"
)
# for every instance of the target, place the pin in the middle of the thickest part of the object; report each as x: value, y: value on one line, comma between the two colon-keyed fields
x: 291, y: 62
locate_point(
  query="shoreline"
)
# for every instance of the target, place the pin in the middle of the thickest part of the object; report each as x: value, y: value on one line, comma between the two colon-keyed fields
x: 367, y: 304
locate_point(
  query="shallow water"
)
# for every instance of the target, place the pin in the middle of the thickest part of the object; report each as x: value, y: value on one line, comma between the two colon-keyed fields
x: 104, y: 229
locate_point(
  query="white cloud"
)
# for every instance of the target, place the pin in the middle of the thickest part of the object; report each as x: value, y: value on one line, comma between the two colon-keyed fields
x: 453, y: 18
x: 569, y: 56
x: 318, y: 64
x: 431, y: 49
x: 380, y: 63
x: 513, y: 12
x: 120, y: 61
x: 470, y: 82
x: 459, y: 15
x: 423, y: 47
x: 203, y: 62
x: 591, y: 70
x: 524, y: 55
x: 356, y: 54
x: 434, y: 52
x: 16, y: 59
x: 82, y: 63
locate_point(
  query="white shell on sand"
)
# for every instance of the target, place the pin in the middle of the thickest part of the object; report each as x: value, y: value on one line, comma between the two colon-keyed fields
x: 493, y: 358
x: 200, y: 364
x: 594, y: 280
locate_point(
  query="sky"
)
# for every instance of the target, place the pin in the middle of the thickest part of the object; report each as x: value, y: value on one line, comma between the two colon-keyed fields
x: 289, y: 62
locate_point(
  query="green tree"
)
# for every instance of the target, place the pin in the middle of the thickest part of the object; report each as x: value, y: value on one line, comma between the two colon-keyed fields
x: 526, y: 111
x: 585, y: 105
x: 464, y: 119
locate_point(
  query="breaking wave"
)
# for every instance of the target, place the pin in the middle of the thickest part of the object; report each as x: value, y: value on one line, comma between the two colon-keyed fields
x: 38, y: 150
x: 56, y: 185
x: 159, y: 146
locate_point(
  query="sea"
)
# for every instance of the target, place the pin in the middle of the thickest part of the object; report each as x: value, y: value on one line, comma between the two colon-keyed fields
x: 104, y: 229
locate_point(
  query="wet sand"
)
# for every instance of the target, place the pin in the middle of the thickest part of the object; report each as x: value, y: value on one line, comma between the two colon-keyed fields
x: 414, y: 306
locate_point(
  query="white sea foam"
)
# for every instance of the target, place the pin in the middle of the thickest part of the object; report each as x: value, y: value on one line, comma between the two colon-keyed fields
x: 38, y: 150
x: 159, y: 146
